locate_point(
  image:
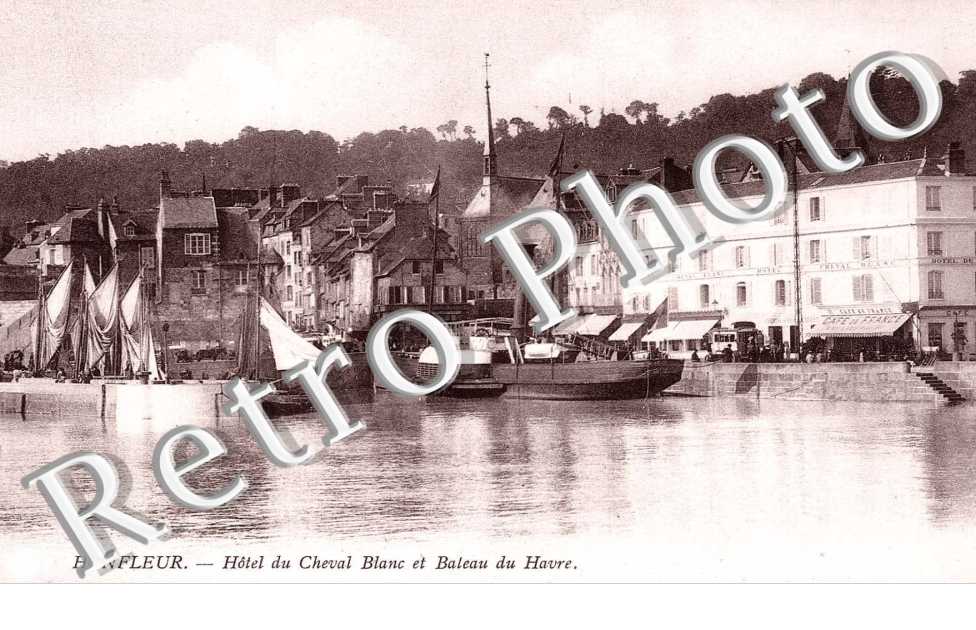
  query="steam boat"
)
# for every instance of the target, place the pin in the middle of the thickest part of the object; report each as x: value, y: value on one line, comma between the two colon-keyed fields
x: 493, y: 363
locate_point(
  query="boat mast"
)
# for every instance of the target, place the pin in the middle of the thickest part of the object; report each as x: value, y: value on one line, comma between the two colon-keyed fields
x: 436, y: 194
x: 40, y: 325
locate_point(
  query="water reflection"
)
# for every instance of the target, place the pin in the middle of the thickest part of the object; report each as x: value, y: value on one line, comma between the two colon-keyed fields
x: 683, y: 470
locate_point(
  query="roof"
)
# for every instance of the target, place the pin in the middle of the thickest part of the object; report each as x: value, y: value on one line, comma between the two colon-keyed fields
x: 187, y: 212
x: 21, y: 256
x: 418, y: 248
x: 239, y: 240
x: 812, y: 181
x: 144, y: 220
x: 503, y: 197
x: 76, y: 230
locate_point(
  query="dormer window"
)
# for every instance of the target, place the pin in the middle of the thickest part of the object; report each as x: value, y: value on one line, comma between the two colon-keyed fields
x: 612, y: 192
x: 129, y: 230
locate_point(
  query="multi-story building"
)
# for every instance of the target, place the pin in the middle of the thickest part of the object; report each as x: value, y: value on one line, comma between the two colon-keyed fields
x: 885, y: 249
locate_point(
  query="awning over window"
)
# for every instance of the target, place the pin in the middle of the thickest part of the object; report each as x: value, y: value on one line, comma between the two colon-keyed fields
x: 596, y: 324
x: 570, y: 325
x: 625, y: 331
x: 858, y: 325
x: 661, y: 334
x: 694, y: 328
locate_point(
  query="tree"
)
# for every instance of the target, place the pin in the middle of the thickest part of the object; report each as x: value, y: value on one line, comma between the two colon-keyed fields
x: 635, y: 109
x: 587, y: 110
x: 558, y: 118
x: 519, y: 124
x: 501, y: 129
x: 469, y: 131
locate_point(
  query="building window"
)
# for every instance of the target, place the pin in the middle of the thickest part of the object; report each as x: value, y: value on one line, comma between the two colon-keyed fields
x: 935, y: 285
x: 741, y: 257
x: 198, y: 281
x: 297, y: 255
x: 612, y: 192
x: 196, y: 244
x: 672, y: 298
x: 779, y: 289
x: 147, y: 257
x: 779, y: 218
x: 934, y: 241
x: 816, y: 295
x: 933, y: 198
x: 863, y: 247
x: 741, y: 294
x: 50, y: 256
x: 241, y: 277
x: 634, y: 231
x: 703, y: 296
x: 864, y: 288
x: 129, y: 230
x: 815, y: 251
x: 415, y: 266
x: 289, y: 293
x: 438, y: 266
x: 815, y: 214
x: 704, y: 260
x: 288, y: 248
x: 935, y: 334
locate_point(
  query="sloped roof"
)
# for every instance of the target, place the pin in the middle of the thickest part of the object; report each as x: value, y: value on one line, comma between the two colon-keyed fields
x: 418, y: 248
x: 188, y: 212
x: 812, y: 181
x: 76, y: 230
x: 504, y: 197
x: 238, y: 241
x: 144, y: 220
x: 21, y: 256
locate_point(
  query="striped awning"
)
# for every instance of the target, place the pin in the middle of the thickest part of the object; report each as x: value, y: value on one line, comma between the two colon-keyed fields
x: 625, y: 331
x: 879, y: 325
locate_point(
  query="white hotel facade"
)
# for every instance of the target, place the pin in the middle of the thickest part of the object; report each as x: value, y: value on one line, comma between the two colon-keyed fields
x: 885, y: 247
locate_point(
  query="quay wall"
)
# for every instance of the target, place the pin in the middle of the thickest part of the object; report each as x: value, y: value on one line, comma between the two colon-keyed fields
x: 132, y: 400
x: 864, y: 382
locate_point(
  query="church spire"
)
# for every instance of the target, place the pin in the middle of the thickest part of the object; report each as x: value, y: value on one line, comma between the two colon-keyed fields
x: 490, y: 158
x: 849, y: 136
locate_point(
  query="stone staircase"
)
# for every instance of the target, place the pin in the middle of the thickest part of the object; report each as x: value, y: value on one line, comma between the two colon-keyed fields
x: 939, y: 386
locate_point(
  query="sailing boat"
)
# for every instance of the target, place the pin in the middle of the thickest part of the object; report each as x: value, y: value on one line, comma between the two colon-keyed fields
x: 261, y: 327
x: 138, y: 351
x: 52, y: 319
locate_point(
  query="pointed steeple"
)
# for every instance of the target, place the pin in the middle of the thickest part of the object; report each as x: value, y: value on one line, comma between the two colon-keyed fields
x: 490, y: 158
x: 850, y: 136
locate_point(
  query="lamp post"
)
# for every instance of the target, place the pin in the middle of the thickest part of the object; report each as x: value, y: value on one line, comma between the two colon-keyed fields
x: 797, y: 289
x: 958, y: 336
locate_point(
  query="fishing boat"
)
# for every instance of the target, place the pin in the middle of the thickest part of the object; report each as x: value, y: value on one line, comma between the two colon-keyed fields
x: 265, y: 329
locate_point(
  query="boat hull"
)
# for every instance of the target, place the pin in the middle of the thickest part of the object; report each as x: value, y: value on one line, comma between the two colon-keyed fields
x: 587, y: 380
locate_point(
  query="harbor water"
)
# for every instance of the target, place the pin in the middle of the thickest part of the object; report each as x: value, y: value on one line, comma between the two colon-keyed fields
x: 658, y: 490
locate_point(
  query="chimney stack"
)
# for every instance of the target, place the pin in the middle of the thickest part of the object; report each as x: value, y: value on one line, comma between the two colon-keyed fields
x: 165, y: 185
x: 955, y: 159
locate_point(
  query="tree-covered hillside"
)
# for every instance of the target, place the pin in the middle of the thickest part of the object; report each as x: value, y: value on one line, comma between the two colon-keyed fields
x: 603, y: 141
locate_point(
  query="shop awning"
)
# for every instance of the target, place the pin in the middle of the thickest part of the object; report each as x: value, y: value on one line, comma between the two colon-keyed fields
x: 625, y: 331
x: 570, y: 325
x: 596, y: 324
x: 694, y: 328
x: 661, y: 334
x: 858, y: 325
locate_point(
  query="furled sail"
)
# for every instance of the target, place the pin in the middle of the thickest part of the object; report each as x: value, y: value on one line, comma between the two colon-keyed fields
x: 103, y: 314
x: 288, y: 347
x: 138, y: 349
x: 55, y: 316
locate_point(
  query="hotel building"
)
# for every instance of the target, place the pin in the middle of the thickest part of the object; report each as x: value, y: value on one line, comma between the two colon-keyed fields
x: 885, y: 249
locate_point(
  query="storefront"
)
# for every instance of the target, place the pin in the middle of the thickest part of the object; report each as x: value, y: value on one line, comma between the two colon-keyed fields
x: 876, y: 337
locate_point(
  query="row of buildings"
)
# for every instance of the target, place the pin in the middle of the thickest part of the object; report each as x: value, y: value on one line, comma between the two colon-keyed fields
x: 885, y: 250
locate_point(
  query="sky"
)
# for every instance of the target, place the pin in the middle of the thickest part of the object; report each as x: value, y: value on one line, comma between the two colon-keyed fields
x: 88, y: 74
